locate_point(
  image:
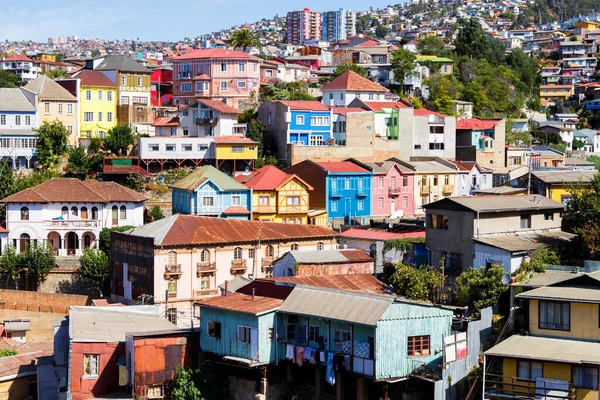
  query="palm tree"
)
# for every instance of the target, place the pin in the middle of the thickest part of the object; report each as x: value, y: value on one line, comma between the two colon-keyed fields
x: 244, y: 39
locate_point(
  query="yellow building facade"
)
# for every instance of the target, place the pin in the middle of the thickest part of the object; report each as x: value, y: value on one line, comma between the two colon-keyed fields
x: 97, y: 104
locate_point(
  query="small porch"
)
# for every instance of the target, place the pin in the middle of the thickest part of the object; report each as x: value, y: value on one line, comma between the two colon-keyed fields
x: 71, y: 243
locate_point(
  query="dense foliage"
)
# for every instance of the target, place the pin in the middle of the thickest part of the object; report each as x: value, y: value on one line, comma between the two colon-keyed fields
x: 81, y: 165
x: 104, y: 238
x: 582, y: 216
x: 204, y: 383
x: 156, y: 213
x: 479, y: 288
x: 95, y: 266
x: 424, y: 283
x: 53, y: 139
x: 39, y: 260
x: 244, y: 39
x: 403, y: 64
x: 118, y: 140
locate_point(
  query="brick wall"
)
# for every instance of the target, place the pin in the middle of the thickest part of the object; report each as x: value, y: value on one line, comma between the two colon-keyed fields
x: 42, y: 302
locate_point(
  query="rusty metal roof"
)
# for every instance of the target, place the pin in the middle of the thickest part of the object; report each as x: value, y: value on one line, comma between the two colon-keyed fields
x: 186, y: 230
x: 243, y: 303
x: 356, y: 282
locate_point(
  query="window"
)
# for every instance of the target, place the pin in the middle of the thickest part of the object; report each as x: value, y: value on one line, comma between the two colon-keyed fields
x: 155, y: 392
x: 74, y: 211
x: 88, y: 116
x: 223, y: 67
x: 187, y: 147
x: 202, y: 147
x: 115, y: 215
x: 206, y: 86
x: 294, y: 247
x: 60, y: 108
x: 291, y: 327
x: 438, y: 221
x: 334, y: 205
x: 17, y: 120
x: 65, y: 212
x: 436, y: 130
x: 170, y: 147
x: 405, y: 181
x: 24, y: 241
x: 70, y: 129
x: 269, y: 251
x: 263, y: 200
x: 88, y: 95
x: 380, y: 202
x: 436, y: 146
x: 237, y: 253
x: 205, y: 281
x: 330, y: 96
x: 346, y: 183
x: 417, y: 147
x: 139, y: 81
x: 299, y: 119
x: 99, y: 116
x: 223, y: 86
x: 243, y: 334
x: 109, y: 116
x: 313, y: 333
x: 585, y: 377
x: 418, y: 346
x: 24, y: 214
x: 316, y: 140
x: 293, y: 200
x: 554, y: 316
x: 360, y: 204
x: 393, y: 182
x: 435, y: 180
x: 380, y: 182
x: 446, y: 179
x: 123, y: 80
x: 109, y: 96
x: 3, y: 119
x: 529, y: 370
x: 172, y: 312
x: 341, y: 336
x: 242, y: 67
x: 549, y: 216
x: 237, y: 149
x: 153, y: 147
x: 214, y: 329
x: 250, y: 253
x: 525, y: 221
x: 186, y: 86
x: 241, y: 84
x: 199, y: 86
x: 123, y: 212
x: 236, y: 200
x: 100, y: 95
x: 124, y: 100
x: 320, y: 245
x: 90, y: 364
x: 404, y: 201
x: 208, y: 201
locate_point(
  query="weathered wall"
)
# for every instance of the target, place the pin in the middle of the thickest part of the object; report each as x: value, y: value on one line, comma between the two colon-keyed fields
x: 41, y: 302
x: 41, y: 322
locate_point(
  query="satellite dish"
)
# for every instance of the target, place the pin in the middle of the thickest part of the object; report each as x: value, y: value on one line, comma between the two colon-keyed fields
x: 506, y: 278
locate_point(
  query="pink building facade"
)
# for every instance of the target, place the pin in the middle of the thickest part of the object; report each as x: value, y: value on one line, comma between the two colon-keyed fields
x: 393, y: 189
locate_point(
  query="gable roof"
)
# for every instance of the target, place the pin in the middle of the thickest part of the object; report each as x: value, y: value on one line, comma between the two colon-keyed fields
x: 495, y: 204
x: 255, y: 305
x: 378, y: 106
x: 205, y: 174
x: 385, y: 166
x: 219, y: 106
x: 365, y: 283
x: 341, y: 166
x: 476, y: 124
x: 17, y: 57
x: 72, y: 190
x: 187, y: 230
x: 13, y: 99
x: 47, y: 89
x: 215, y: 53
x: 350, y: 80
x: 305, y: 105
x: 268, y: 177
x: 121, y: 63
x: 90, y: 77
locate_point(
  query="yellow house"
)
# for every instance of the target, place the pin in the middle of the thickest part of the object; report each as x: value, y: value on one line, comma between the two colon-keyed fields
x: 587, y: 24
x: 560, y: 356
x: 556, y: 184
x: 278, y: 196
x: 550, y: 92
x: 234, y: 149
x: 435, y: 180
x: 98, y: 103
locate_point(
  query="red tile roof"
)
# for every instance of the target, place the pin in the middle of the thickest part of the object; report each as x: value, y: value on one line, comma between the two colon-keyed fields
x: 267, y: 178
x: 341, y: 166
x: 378, y: 106
x: 556, y: 86
x: 356, y: 282
x: 71, y: 190
x: 350, y: 80
x: 166, y: 122
x: 233, y: 140
x: 305, y: 105
x: 93, y: 78
x: 368, y: 43
x: 220, y: 106
x: 476, y: 124
x: 343, y: 111
x: 236, y: 210
x: 423, y: 111
x: 380, y: 235
x: 215, y: 53
x: 243, y: 303
x: 464, y: 165
x: 17, y: 57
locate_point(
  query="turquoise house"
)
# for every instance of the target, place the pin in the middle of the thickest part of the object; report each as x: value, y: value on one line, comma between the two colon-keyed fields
x: 212, y: 193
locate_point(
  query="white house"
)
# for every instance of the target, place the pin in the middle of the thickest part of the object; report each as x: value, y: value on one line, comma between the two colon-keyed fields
x: 22, y: 66
x: 341, y: 91
x: 471, y: 176
x: 69, y: 214
x: 18, y: 119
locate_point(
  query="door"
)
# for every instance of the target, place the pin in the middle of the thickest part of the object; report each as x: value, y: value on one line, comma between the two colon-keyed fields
x: 253, y: 342
x: 393, y: 206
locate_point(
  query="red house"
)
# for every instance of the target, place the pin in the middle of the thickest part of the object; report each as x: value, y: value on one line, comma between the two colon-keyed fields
x: 161, y: 92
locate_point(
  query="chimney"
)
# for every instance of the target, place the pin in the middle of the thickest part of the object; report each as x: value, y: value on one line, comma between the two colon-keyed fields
x: 226, y: 288
x: 253, y: 292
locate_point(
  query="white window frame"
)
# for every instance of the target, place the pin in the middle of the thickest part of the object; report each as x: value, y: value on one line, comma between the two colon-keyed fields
x: 123, y: 80
x: 96, y: 366
x: 88, y: 95
x: 212, y: 201
x: 300, y: 120
x: 223, y: 86
x: 234, y: 198
x: 241, y: 85
x: 109, y: 95
x: 140, y: 81
x: 186, y: 87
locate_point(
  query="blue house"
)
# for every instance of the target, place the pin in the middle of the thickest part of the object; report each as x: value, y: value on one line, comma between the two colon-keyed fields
x: 342, y: 188
x: 300, y: 123
x: 209, y: 192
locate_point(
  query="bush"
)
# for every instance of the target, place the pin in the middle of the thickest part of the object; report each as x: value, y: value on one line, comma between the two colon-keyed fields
x: 104, y: 239
x: 156, y: 213
x: 479, y: 288
x: 8, y: 352
x: 422, y: 283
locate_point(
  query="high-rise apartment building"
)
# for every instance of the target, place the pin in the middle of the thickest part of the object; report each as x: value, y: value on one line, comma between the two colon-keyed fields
x: 339, y: 25
x: 303, y: 25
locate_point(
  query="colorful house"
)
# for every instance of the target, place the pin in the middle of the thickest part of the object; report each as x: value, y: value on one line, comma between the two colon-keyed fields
x: 556, y: 185
x: 18, y: 119
x: 277, y: 196
x: 472, y: 177
x: 435, y: 180
x: 393, y: 189
x: 550, y: 92
x: 342, y: 188
x: 210, y: 192
x: 349, y: 86
x: 487, y: 136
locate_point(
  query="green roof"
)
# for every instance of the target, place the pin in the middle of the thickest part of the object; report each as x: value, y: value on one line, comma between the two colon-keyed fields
x: 208, y: 173
x: 434, y: 59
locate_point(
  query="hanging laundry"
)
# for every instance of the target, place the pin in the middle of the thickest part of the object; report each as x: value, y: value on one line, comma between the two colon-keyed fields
x: 299, y: 355
x: 289, y: 352
x: 329, y: 373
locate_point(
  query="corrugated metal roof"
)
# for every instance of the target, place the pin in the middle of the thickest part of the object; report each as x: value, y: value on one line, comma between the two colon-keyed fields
x: 208, y: 173
x: 501, y: 190
x: 582, y: 294
x: 565, y: 176
x: 243, y: 303
x: 13, y: 99
x: 350, y: 307
x: 97, y: 324
x: 122, y: 63
x: 329, y: 256
x: 364, y: 283
x: 549, y: 277
x: 47, y: 89
x: 526, y: 242
x: 548, y: 349
x: 499, y: 203
x: 369, y: 234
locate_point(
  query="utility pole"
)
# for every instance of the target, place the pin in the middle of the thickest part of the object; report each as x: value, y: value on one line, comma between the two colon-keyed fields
x: 529, y: 174
x: 167, y: 302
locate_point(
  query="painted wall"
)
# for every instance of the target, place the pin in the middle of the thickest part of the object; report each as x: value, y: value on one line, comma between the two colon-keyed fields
x: 192, y: 202
x: 107, y: 381
x: 584, y: 322
x: 101, y: 107
x: 386, y: 203
x: 349, y: 195
x: 277, y: 201
x: 433, y: 192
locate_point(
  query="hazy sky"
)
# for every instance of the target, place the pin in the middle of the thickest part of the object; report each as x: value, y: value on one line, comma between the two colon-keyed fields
x: 145, y: 19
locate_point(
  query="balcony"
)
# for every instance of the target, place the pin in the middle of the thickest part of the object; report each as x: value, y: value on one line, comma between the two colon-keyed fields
x: 425, y: 189
x: 499, y: 387
x: 362, y: 192
x: 394, y: 191
x: 68, y: 224
x: 238, y: 267
x: 206, y: 267
x: 172, y: 270
x: 267, y: 264
x: 172, y: 295
x: 200, y: 293
x: 335, y: 192
x: 448, y: 189
x: 206, y: 121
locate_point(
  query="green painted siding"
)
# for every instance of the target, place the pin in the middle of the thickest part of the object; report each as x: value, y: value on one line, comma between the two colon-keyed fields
x: 400, y: 321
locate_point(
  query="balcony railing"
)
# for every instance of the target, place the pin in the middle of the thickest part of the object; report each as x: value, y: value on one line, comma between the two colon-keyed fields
x: 335, y: 192
x: 70, y: 224
x: 200, y: 293
x: 395, y: 191
x: 206, y: 121
x: 238, y: 266
x: 500, y: 387
x: 425, y: 189
x: 172, y: 295
x: 172, y: 269
x: 448, y: 189
x: 206, y: 267
x: 362, y: 192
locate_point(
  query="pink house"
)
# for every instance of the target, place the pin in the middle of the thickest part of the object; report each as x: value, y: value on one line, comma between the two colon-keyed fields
x: 393, y: 189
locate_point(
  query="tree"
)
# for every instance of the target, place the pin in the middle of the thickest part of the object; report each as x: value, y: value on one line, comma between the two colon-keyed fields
x: 8, y: 79
x: 473, y: 42
x: 80, y: 164
x: 422, y: 283
x: 403, y: 64
x: 39, y: 260
x: 577, y: 144
x: 183, y: 386
x: 53, y: 139
x: 156, y: 213
x: 95, y: 53
x: 56, y: 74
x: 7, y: 183
x: 381, y: 31
x: 342, y: 68
x: 95, y: 266
x: 244, y: 39
x: 204, y: 383
x: 430, y: 45
x: 479, y: 288
x: 11, y: 265
x: 94, y: 146
x: 118, y: 140
x: 362, y: 23
x: 104, y: 237
x: 582, y: 215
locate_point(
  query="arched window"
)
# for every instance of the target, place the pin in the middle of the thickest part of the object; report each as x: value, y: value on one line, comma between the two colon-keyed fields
x: 269, y: 251
x: 74, y: 211
x: 94, y: 213
x: 320, y: 245
x: 295, y: 247
x: 172, y: 258
x: 205, y: 255
x: 65, y: 212
x: 24, y: 214
x: 123, y: 212
x: 115, y: 215
x: 24, y: 241
x: 87, y: 240
x: 237, y: 253
x: 84, y: 213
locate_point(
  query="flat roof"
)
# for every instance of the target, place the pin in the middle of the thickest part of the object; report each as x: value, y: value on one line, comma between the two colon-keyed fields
x: 579, y: 294
x: 495, y: 204
x: 527, y: 242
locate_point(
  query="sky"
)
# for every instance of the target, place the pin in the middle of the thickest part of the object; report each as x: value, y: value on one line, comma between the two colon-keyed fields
x: 166, y: 20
